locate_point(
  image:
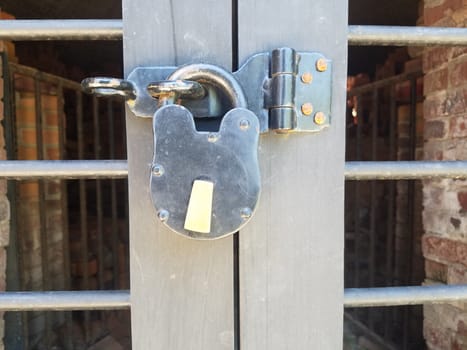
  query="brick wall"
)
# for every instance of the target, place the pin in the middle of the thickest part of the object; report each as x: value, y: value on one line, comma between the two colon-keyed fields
x: 445, y: 201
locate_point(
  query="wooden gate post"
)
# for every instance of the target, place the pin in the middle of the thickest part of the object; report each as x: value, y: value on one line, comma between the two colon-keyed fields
x: 292, y: 253
x: 181, y: 290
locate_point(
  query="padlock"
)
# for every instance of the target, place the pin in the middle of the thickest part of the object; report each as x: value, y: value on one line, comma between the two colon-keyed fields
x: 204, y: 185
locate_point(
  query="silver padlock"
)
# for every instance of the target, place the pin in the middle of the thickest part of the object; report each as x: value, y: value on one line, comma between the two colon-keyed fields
x: 204, y: 185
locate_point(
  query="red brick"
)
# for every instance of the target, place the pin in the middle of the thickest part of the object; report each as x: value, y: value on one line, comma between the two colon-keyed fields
x: 436, y: 336
x: 28, y: 189
x: 435, y: 106
x: 27, y: 153
x: 50, y: 118
x: 444, y: 250
x: 49, y: 103
x: 436, y: 271
x: 27, y: 137
x: 413, y: 65
x: 51, y: 136
x: 439, y: 248
x: 458, y: 74
x: 434, y: 14
x: 435, y: 129
x: 52, y: 152
x: 458, y: 127
x: 433, y: 154
x: 458, y: 51
x: 457, y: 274
x: 455, y: 102
x: 435, y: 81
x: 461, y: 252
x: 462, y: 198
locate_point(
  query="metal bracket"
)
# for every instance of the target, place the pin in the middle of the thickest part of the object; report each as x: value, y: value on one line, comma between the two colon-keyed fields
x: 288, y: 91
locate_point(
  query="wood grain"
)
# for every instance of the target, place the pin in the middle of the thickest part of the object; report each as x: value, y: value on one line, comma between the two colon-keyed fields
x: 291, y: 253
x: 181, y: 289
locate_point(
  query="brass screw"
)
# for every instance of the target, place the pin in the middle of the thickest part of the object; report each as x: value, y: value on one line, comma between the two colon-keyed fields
x: 307, y: 78
x: 307, y: 108
x: 321, y: 65
x: 320, y: 118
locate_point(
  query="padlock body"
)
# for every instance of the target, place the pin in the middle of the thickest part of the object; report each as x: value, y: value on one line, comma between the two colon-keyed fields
x: 227, y: 159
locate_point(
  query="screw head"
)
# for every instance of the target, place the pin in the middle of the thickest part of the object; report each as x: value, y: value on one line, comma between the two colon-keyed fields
x: 246, y: 213
x: 244, y: 124
x: 321, y: 65
x: 212, y: 137
x: 157, y: 170
x: 163, y: 215
x: 307, y: 108
x: 307, y: 78
x: 320, y: 118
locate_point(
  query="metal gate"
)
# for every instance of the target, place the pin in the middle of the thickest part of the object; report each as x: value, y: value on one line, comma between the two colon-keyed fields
x: 80, y: 226
x: 383, y: 218
x: 278, y: 284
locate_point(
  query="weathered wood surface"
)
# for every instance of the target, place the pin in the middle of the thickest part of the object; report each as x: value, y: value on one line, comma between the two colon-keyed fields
x: 291, y: 253
x: 181, y: 290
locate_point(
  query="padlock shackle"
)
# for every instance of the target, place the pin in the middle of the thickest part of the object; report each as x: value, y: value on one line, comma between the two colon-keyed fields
x: 216, y: 76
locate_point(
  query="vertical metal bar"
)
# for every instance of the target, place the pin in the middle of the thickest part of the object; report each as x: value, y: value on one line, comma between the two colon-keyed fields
x: 99, y: 210
x: 113, y: 196
x: 410, y: 204
x: 374, y: 154
x: 358, y: 156
x: 42, y: 203
x: 64, y: 205
x: 25, y: 315
x: 97, y: 155
x: 83, y: 208
x: 15, y: 335
x: 372, y: 231
x: 390, y: 216
x: 124, y: 183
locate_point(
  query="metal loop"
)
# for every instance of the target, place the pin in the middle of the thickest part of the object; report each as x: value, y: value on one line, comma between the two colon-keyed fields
x: 213, y: 75
x: 179, y: 88
x: 109, y: 87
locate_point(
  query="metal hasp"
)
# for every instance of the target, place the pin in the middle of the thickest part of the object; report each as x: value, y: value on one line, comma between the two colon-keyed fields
x: 289, y: 91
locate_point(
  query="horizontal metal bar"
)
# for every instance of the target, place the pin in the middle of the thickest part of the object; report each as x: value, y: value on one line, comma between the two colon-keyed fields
x: 378, y: 84
x: 69, y: 300
x: 106, y: 300
x: 63, y: 169
x: 99, y: 29
x: 42, y: 76
x: 408, y: 170
x: 406, y: 36
x: 59, y: 29
x: 394, y: 296
x: 81, y: 169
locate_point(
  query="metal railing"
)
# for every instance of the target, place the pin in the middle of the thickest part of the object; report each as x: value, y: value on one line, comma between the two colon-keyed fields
x: 354, y: 170
x: 100, y: 29
x: 75, y: 111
